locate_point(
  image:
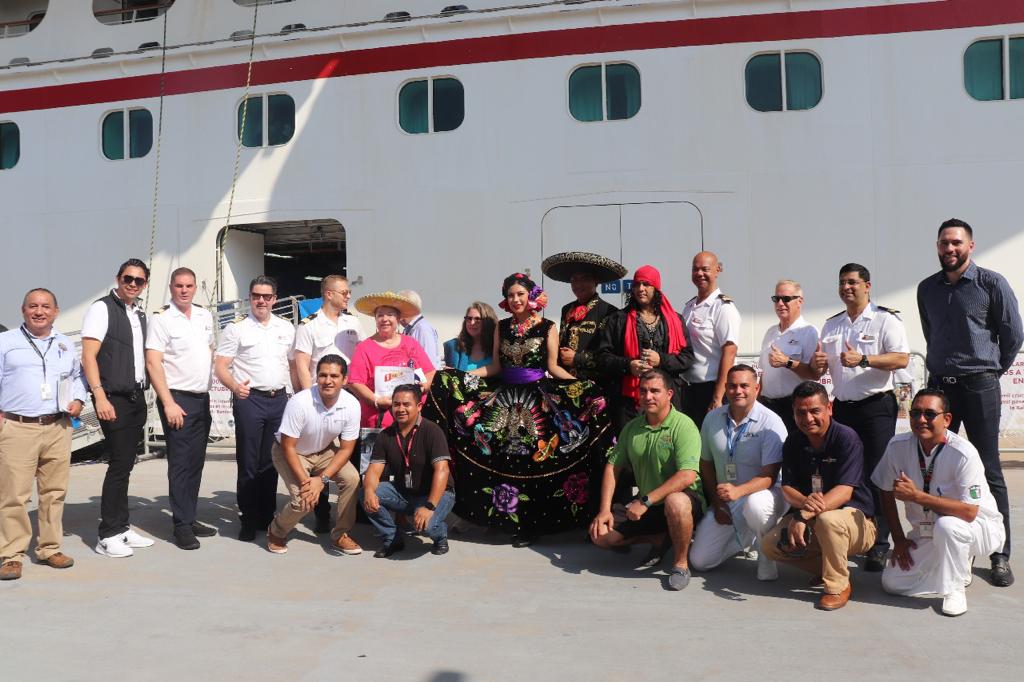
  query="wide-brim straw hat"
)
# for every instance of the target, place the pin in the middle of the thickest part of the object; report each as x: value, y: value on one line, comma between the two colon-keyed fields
x: 406, y: 307
x: 561, y: 266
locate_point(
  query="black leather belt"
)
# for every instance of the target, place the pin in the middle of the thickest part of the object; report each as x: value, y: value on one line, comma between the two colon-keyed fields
x: 870, y: 398
x: 191, y: 394
x: 42, y: 420
x: 963, y: 378
x: 268, y: 394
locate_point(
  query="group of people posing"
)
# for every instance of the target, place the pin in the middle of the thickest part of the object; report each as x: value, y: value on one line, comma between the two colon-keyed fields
x: 636, y: 423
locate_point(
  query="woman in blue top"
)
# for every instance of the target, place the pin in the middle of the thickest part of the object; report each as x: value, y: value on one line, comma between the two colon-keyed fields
x: 473, y: 346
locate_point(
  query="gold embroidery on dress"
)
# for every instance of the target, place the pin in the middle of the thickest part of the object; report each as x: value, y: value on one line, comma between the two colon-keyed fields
x: 515, y: 351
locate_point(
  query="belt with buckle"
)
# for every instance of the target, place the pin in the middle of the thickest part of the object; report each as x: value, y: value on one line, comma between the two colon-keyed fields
x: 42, y: 420
x: 870, y: 398
x: 961, y: 379
x: 273, y: 393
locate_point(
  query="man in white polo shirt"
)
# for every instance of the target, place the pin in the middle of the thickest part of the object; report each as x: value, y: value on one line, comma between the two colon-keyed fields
x: 307, y: 458
x: 741, y: 453
x: 940, y: 479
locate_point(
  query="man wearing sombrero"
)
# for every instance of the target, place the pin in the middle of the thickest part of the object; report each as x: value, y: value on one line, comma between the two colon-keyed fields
x: 583, y: 320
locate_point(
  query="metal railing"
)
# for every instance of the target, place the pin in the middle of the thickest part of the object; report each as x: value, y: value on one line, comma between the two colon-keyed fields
x: 11, y: 29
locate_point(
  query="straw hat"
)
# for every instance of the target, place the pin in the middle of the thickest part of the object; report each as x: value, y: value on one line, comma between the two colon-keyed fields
x: 561, y: 266
x: 368, y: 304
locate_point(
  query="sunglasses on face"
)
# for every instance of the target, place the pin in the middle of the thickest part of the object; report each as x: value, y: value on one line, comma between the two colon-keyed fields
x: 467, y: 318
x: 784, y: 299
x: 137, y: 281
x: 262, y: 297
x: 929, y: 415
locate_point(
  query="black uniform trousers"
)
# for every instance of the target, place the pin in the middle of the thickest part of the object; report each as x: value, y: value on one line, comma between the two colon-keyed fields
x: 976, y: 401
x: 186, y: 453
x: 696, y: 398
x: 874, y: 420
x: 782, y: 407
x: 122, y: 437
x: 257, y: 419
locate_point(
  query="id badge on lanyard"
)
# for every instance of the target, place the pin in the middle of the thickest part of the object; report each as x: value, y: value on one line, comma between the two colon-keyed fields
x: 732, y: 439
x: 926, y: 528
x: 407, y: 452
x: 816, y: 486
x: 730, y: 472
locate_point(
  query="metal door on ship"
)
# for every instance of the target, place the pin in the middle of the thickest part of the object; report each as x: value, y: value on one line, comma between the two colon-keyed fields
x: 663, y: 234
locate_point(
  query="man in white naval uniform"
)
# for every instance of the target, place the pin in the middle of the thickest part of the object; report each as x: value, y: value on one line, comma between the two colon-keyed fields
x: 940, y: 479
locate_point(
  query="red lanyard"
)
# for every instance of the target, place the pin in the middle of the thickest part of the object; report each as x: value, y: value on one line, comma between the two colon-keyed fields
x: 408, y: 449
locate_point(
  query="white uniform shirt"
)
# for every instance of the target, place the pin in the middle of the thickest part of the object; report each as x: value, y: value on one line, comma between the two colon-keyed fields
x: 759, y: 444
x: 318, y: 336
x: 874, y: 332
x: 95, y: 324
x: 712, y: 323
x: 260, y: 352
x: 187, y: 345
x: 958, y: 475
x: 798, y: 342
x: 314, y: 425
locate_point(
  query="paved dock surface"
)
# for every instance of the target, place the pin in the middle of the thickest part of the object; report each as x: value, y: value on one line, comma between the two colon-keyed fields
x: 559, y: 610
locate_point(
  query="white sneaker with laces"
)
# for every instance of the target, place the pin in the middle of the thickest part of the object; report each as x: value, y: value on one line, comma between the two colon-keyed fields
x: 114, y: 547
x: 133, y: 539
x: 955, y: 603
x: 767, y: 570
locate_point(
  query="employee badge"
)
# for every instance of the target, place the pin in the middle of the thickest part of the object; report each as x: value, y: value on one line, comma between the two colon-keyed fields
x: 730, y: 472
x: 926, y: 528
x: 816, y: 486
x: 45, y: 392
x: 408, y: 480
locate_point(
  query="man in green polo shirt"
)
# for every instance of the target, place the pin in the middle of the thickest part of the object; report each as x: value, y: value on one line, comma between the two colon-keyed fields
x: 662, y: 448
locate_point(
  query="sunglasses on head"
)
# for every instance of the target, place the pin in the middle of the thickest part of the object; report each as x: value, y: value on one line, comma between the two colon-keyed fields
x: 137, y: 281
x: 784, y: 299
x: 929, y: 415
x: 262, y: 297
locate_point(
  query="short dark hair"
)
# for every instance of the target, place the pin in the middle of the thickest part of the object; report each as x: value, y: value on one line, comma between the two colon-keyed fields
x: 858, y: 268
x: 808, y: 389
x: 37, y: 290
x: 414, y: 389
x: 183, y: 271
x: 133, y: 263
x: 333, y: 359
x: 956, y: 222
x: 742, y: 367
x: 656, y: 372
x: 263, y: 281
x: 936, y: 392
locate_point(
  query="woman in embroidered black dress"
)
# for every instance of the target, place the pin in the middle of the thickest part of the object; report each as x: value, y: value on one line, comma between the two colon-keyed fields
x: 525, y: 447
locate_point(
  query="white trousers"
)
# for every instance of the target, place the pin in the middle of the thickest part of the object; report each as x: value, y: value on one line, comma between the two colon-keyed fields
x: 941, y: 563
x: 752, y: 517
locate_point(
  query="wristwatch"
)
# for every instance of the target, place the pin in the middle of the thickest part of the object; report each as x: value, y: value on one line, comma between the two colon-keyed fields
x: 863, y: 361
x: 324, y: 479
x: 645, y: 501
x: 789, y: 363
x: 430, y: 505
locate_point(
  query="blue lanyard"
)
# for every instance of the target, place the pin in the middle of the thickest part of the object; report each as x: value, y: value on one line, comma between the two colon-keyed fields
x: 732, y: 439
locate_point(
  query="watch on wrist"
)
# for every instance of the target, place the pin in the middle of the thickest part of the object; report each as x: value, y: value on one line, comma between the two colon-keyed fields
x: 789, y: 363
x: 645, y: 501
x: 430, y: 505
x: 863, y: 361
x: 323, y: 479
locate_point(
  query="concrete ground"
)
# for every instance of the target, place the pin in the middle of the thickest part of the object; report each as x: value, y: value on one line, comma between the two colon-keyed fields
x: 559, y: 610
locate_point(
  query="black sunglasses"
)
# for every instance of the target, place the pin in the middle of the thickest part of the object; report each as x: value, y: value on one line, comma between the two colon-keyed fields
x: 784, y: 299
x: 467, y: 318
x: 264, y: 297
x: 929, y: 415
x: 137, y: 281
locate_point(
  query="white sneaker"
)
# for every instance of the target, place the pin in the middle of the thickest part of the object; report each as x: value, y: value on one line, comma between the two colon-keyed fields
x: 767, y: 570
x: 955, y: 603
x: 133, y: 539
x: 114, y: 547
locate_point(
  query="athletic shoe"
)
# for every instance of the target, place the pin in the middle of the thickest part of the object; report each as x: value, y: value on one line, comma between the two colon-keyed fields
x: 678, y: 578
x: 114, y: 547
x: 347, y: 545
x: 184, y: 538
x: 955, y: 603
x: 133, y: 539
x: 201, y: 530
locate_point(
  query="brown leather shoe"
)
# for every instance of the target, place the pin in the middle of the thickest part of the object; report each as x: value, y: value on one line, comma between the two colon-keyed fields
x: 11, y: 570
x: 58, y: 560
x: 275, y: 544
x: 347, y: 545
x: 831, y: 602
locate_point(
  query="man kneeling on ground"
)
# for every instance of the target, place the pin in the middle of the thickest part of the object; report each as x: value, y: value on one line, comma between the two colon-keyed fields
x: 408, y: 474
x: 831, y: 509
x: 308, y: 457
x: 940, y: 479
x: 662, y: 447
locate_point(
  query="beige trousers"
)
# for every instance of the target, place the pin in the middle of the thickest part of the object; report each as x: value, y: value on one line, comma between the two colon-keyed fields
x: 838, y: 534
x: 40, y: 454
x: 347, y: 480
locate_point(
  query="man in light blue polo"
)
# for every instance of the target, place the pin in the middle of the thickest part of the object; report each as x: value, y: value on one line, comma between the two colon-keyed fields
x: 741, y: 453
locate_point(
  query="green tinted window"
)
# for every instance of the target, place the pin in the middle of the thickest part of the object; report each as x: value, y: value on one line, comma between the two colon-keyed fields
x: 281, y: 119
x: 140, y: 132
x: 585, y: 94
x: 113, y: 136
x: 983, y: 70
x: 764, y: 82
x: 449, y: 104
x: 252, y: 111
x: 10, y: 145
x: 1016, y: 68
x: 803, y: 80
x: 622, y: 87
x: 413, y: 114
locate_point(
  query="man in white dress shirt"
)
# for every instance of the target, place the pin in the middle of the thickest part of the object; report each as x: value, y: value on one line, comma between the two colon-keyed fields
x: 420, y: 329
x: 786, y: 352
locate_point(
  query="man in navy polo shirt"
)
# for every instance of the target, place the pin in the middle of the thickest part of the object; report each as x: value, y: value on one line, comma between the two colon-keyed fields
x: 831, y: 509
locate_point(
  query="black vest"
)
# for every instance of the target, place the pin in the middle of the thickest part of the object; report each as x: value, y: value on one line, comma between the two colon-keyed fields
x: 116, y: 358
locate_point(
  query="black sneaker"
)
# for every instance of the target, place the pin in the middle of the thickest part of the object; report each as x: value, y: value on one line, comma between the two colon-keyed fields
x: 1001, y: 575
x: 202, y: 530
x: 440, y: 547
x: 875, y: 561
x: 184, y: 538
x: 247, y: 534
x: 655, y: 556
x: 396, y: 545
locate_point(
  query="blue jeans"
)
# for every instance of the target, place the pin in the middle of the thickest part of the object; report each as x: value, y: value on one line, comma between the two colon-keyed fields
x: 392, y: 502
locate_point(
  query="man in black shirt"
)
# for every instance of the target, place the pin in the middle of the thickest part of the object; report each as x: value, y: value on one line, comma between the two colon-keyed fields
x: 409, y: 474
x: 831, y: 509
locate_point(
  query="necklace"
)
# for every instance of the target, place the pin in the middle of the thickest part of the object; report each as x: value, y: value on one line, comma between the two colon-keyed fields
x: 520, y: 328
x: 650, y: 320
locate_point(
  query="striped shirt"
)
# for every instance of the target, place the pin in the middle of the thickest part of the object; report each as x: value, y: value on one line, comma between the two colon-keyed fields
x: 971, y: 326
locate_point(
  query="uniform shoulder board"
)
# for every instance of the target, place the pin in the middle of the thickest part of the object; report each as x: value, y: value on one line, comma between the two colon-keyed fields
x: 841, y: 312
x: 164, y: 308
x: 345, y: 312
x: 239, y: 318
x: 308, y: 318
x: 199, y: 306
x: 692, y: 300
x: 891, y: 311
x: 726, y: 299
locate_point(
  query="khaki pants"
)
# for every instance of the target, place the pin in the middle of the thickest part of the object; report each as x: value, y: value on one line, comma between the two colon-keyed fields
x: 347, y: 480
x: 33, y: 453
x: 838, y: 534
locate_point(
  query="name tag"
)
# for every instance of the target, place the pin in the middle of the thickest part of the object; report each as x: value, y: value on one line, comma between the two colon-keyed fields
x: 867, y: 338
x: 730, y: 473
x: 408, y: 480
x: 816, y: 486
x: 926, y: 529
x: 45, y: 392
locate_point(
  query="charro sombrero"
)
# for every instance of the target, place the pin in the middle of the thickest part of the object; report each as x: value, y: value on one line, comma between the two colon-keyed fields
x: 561, y: 266
x: 368, y: 304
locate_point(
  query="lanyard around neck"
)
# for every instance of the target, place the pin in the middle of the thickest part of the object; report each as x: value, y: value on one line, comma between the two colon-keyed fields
x: 41, y: 354
x: 732, y: 438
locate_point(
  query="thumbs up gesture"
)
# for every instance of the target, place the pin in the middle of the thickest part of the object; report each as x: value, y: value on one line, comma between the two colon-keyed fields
x: 850, y: 357
x: 776, y: 358
x: 819, y: 361
x: 242, y: 392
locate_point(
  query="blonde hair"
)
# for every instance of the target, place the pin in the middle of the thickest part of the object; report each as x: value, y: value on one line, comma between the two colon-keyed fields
x: 793, y: 283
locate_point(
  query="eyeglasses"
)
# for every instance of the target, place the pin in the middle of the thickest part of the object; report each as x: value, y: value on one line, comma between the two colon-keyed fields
x: 137, y: 281
x: 468, y: 318
x: 262, y: 297
x: 341, y: 292
x: 929, y: 415
x: 784, y: 299
x: 850, y: 282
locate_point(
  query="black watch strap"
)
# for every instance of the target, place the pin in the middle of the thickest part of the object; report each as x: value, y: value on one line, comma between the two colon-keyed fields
x: 645, y: 501
x: 430, y: 505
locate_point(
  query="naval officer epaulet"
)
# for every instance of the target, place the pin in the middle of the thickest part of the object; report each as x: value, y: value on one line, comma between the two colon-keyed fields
x: 345, y: 312
x: 308, y: 318
x: 841, y: 312
x: 165, y: 308
x: 726, y: 299
x: 892, y: 311
x: 196, y: 305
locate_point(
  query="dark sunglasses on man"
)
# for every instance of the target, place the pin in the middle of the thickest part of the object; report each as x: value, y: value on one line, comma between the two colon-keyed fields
x: 784, y: 299
x: 137, y: 281
x: 929, y: 415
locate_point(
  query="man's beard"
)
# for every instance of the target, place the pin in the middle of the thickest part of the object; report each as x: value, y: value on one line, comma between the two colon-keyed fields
x: 954, y: 266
